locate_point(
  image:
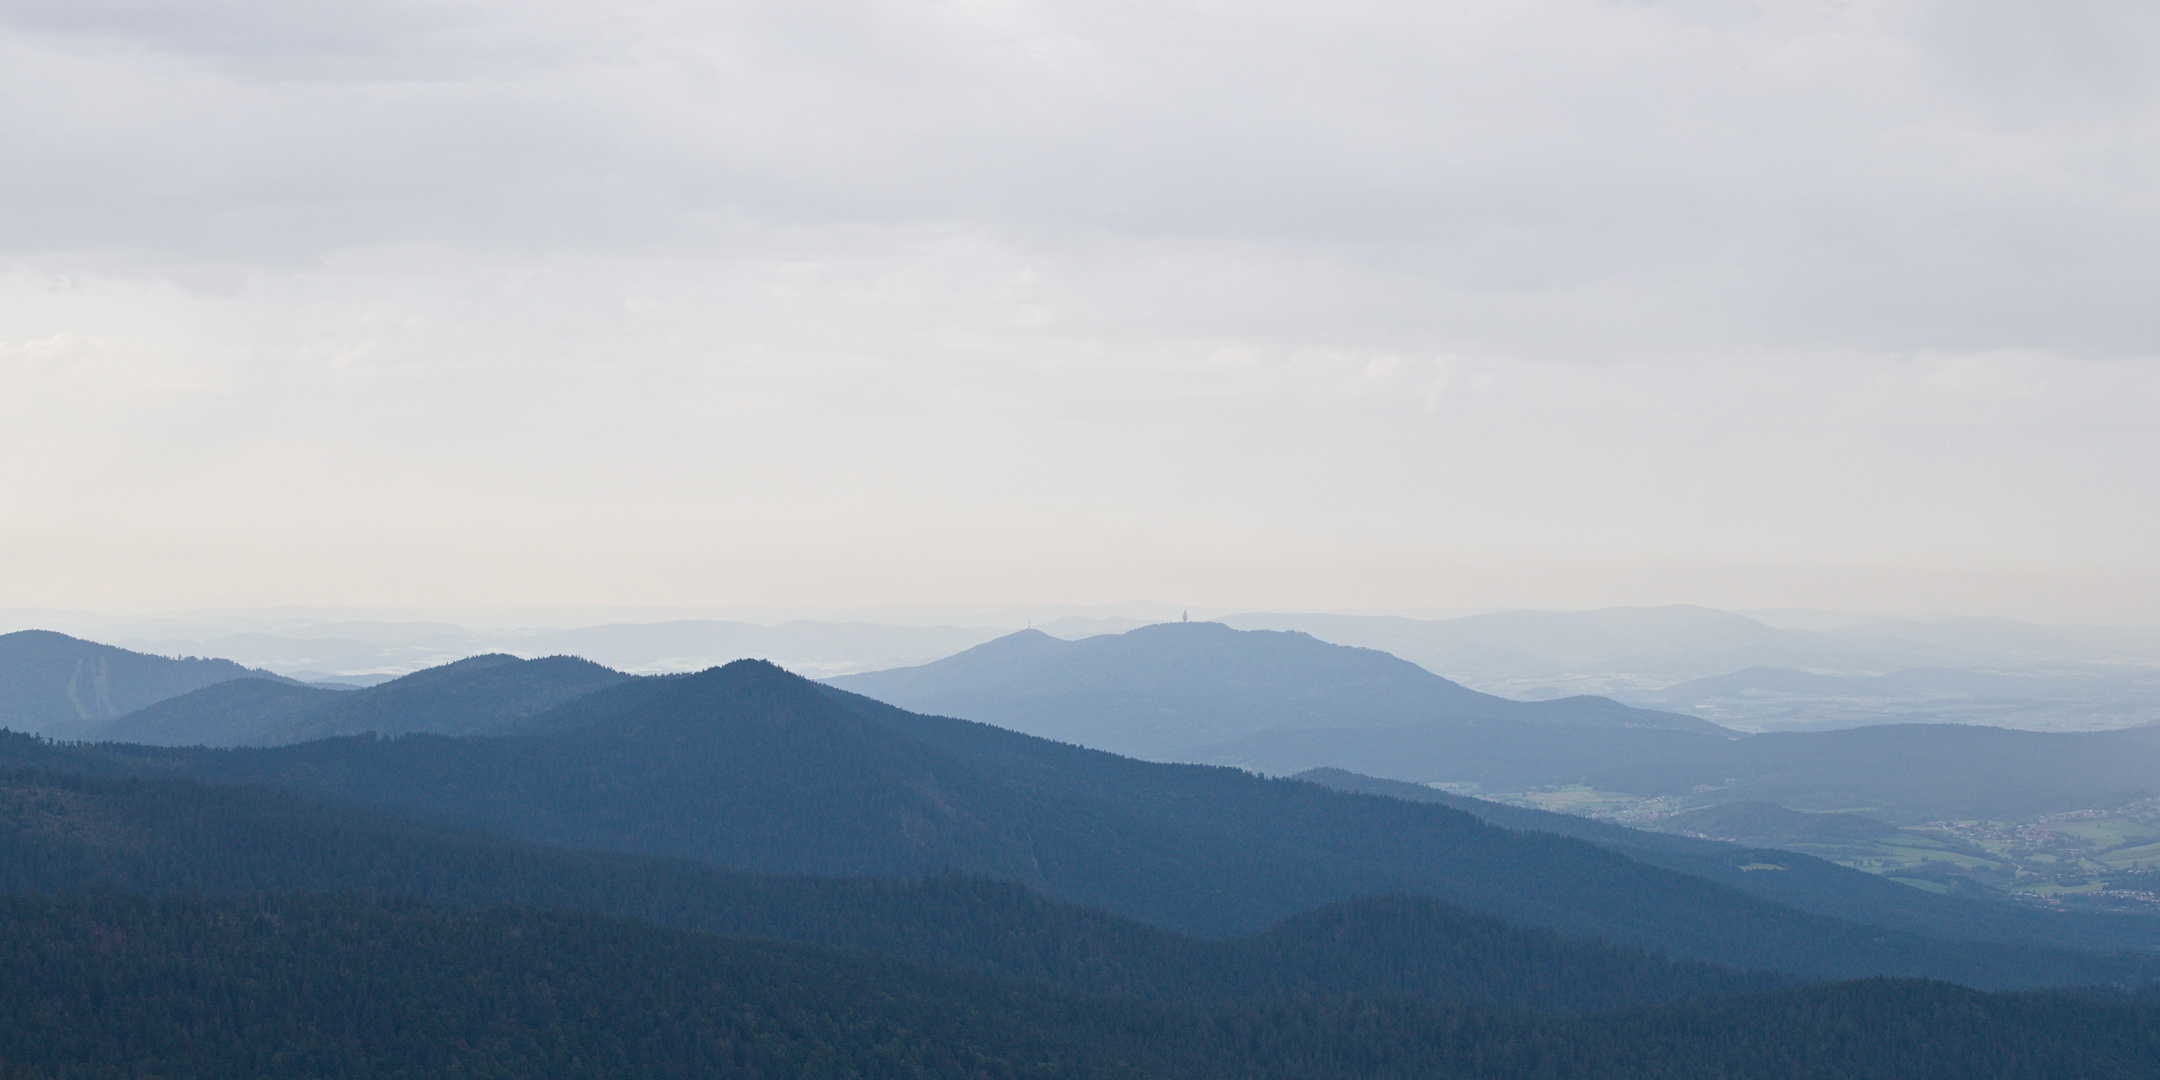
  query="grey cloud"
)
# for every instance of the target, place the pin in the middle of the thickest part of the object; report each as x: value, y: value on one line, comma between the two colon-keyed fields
x: 349, y: 41
x: 1799, y: 167
x: 1619, y: 131
x: 1083, y: 299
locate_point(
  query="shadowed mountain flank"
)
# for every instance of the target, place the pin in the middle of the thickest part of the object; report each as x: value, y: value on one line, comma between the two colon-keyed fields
x: 242, y: 712
x: 171, y: 837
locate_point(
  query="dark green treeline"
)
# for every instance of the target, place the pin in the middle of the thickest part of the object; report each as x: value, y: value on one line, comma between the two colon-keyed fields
x: 109, y: 985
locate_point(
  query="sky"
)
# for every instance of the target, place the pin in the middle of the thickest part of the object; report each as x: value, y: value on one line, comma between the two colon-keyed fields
x: 1302, y: 306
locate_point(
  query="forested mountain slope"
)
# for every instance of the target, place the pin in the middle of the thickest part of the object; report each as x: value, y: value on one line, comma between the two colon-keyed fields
x: 750, y: 767
x: 61, y: 834
x: 106, y: 985
x: 241, y: 712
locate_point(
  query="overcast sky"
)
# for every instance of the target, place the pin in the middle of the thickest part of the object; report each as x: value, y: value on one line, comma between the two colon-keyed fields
x: 1336, y: 305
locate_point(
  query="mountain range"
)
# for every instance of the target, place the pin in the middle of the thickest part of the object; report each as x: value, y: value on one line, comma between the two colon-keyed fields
x: 552, y: 867
x: 1939, y: 670
x: 1273, y: 701
x: 750, y: 767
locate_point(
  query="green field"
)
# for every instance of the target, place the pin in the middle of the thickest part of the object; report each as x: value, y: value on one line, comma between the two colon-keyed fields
x: 2102, y: 855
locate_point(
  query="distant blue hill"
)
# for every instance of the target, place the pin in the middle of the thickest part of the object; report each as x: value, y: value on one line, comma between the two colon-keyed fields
x: 1277, y: 702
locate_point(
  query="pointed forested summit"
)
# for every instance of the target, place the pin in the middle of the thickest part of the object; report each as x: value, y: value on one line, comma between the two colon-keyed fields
x: 65, y: 687
x: 1269, y: 700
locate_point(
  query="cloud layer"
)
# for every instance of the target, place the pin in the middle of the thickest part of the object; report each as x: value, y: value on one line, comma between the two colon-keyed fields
x: 1549, y: 302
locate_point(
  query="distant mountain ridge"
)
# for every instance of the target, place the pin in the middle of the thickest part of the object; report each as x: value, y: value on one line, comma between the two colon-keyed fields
x: 814, y: 647
x: 476, y: 695
x: 1206, y: 692
x: 2070, y: 678
x: 65, y: 687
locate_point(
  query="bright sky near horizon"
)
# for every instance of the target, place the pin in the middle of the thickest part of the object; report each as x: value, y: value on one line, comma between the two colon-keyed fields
x: 1557, y: 303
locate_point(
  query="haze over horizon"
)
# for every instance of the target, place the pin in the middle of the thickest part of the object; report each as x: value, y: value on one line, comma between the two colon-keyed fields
x: 1368, y: 306
x: 1008, y: 616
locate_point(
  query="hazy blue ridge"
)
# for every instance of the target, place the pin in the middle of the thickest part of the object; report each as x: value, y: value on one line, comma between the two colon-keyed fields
x: 68, y: 688
x: 476, y: 695
x: 1271, y: 701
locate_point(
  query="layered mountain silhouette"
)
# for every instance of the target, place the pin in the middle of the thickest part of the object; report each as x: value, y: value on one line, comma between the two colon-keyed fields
x: 1277, y: 702
x: 508, y: 867
x: 750, y: 767
x: 1272, y: 702
x: 65, y: 687
x: 1282, y: 703
x: 472, y: 696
